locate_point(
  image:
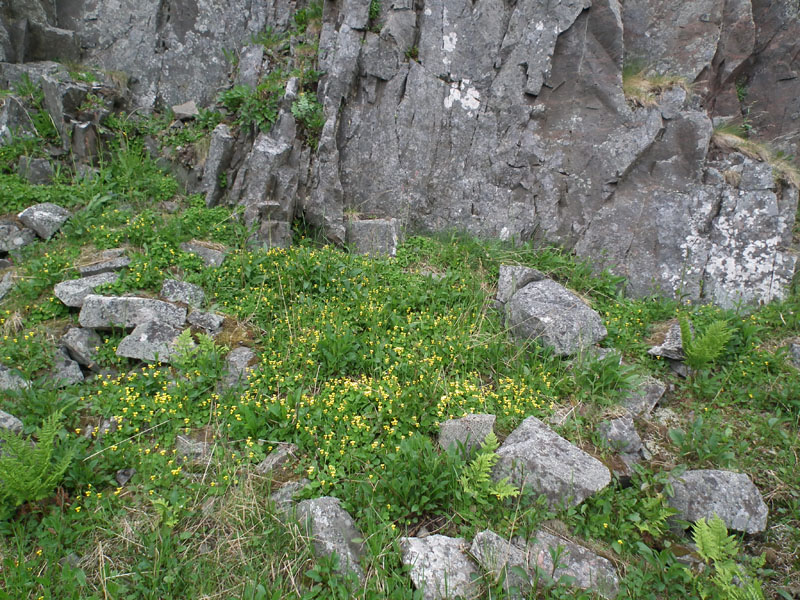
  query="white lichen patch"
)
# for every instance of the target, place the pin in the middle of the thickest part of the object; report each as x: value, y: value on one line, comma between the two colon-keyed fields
x: 465, y: 94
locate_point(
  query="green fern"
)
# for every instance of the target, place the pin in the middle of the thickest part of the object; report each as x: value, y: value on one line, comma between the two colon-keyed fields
x: 702, y: 350
x: 476, y: 478
x: 28, y: 471
x: 712, y: 540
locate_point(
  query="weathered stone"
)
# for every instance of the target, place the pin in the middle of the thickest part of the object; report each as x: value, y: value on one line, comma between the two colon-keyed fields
x: 10, y: 422
x: 65, y: 370
x: 672, y: 346
x: 107, y: 262
x: 194, y: 452
x: 469, y: 431
x: 440, y: 567
x: 536, y: 457
x: 14, y: 120
x: 590, y: 571
x: 248, y: 72
x: 74, y: 291
x: 186, y: 111
x: 277, y: 459
x: 513, y: 278
x: 39, y: 41
x: 150, y: 341
x: 332, y: 530
x: 37, y: 171
x: 83, y: 345
x: 641, y: 400
x: 549, y: 313
x: 181, y: 291
x: 210, y: 323
x: 6, y: 284
x: 794, y: 354
x: 84, y: 142
x: 128, y: 311
x: 284, y: 496
x: 621, y: 435
x: 10, y: 380
x: 237, y: 367
x: 731, y: 496
x: 217, y: 163
x: 45, y: 219
x: 499, y: 557
x: 211, y: 257
x: 13, y: 237
x: 373, y: 236
x: 123, y: 476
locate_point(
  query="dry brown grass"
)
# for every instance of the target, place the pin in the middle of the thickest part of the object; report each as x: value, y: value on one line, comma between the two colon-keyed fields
x: 730, y: 139
x: 642, y: 88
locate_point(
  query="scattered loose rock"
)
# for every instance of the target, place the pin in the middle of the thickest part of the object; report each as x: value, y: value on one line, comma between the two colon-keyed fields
x: 6, y: 284
x: 181, y: 291
x: 513, y: 278
x: 123, y: 476
x: 731, y: 496
x: 210, y: 323
x: 550, y: 313
x: 284, y: 496
x: 496, y: 556
x: 37, y: 171
x: 45, y: 219
x: 65, y: 370
x: 82, y: 345
x: 440, y: 567
x: 211, y: 257
x: 73, y: 291
x: 186, y: 111
x: 13, y: 237
x: 128, y: 311
x: 237, y: 367
x: 11, y: 380
x: 470, y: 431
x: 537, y: 457
x: 333, y: 530
x: 643, y: 399
x: 10, y: 422
x: 108, y: 261
x: 150, y: 341
x: 195, y: 452
x: 672, y: 346
x: 277, y: 459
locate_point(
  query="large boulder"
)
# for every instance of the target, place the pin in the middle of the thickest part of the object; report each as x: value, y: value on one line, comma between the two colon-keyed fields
x: 105, y: 312
x: 549, y: 313
x: 537, y: 458
x: 731, y: 496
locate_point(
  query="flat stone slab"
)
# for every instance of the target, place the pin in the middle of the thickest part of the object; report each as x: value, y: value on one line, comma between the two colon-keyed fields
x: 440, y: 567
x: 65, y: 370
x: 470, y: 431
x: 210, y: 323
x: 82, y: 344
x: 332, y: 529
x: 150, y: 341
x: 13, y: 237
x: 549, y: 313
x: 373, y: 236
x: 277, y: 459
x: 672, y: 346
x: 644, y: 398
x: 536, y: 457
x: 513, y: 278
x: 733, y: 497
x: 45, y: 219
x: 128, y: 311
x: 211, y: 257
x: 10, y: 422
x: 74, y: 291
x: 180, y: 291
x: 107, y: 262
x: 589, y: 570
x: 237, y: 367
x: 10, y: 380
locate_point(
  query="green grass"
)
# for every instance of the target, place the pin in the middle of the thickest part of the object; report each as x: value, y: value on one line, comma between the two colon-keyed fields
x: 359, y: 361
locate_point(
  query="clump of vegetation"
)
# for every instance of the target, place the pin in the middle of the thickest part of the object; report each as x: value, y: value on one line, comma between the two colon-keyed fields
x: 308, y: 112
x: 642, y: 86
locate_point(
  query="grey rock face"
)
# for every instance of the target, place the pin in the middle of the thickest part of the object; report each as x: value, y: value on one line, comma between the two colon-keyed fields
x: 237, y: 367
x: 14, y: 120
x: 548, y: 312
x: 211, y: 257
x: 82, y: 345
x: 210, y: 323
x: 277, y: 459
x: 108, y: 262
x: 642, y: 400
x: 373, y: 236
x: 65, y: 370
x: 6, y: 284
x: 11, y: 380
x: 150, y: 341
x: 440, y: 567
x: 45, y: 219
x: 10, y: 422
x: 497, y: 555
x: 37, y: 171
x: 470, y: 431
x: 537, y: 457
x: 74, y: 291
x: 333, y: 530
x: 218, y: 161
x: 731, y: 496
x: 591, y: 572
x: 13, y: 237
x: 181, y: 291
x: 513, y: 278
x: 107, y: 311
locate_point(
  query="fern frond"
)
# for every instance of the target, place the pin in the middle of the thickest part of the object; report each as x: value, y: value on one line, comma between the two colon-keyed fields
x: 703, y: 349
x: 712, y: 540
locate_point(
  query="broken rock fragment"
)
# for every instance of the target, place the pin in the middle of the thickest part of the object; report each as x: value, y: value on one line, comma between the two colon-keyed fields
x: 332, y: 529
x: 45, y: 219
x: 440, y: 567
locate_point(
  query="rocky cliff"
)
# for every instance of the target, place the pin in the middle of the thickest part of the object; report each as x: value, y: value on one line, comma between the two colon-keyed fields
x: 592, y: 124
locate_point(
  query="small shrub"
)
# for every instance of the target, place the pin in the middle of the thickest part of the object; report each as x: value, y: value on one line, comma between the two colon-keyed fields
x: 309, y: 114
